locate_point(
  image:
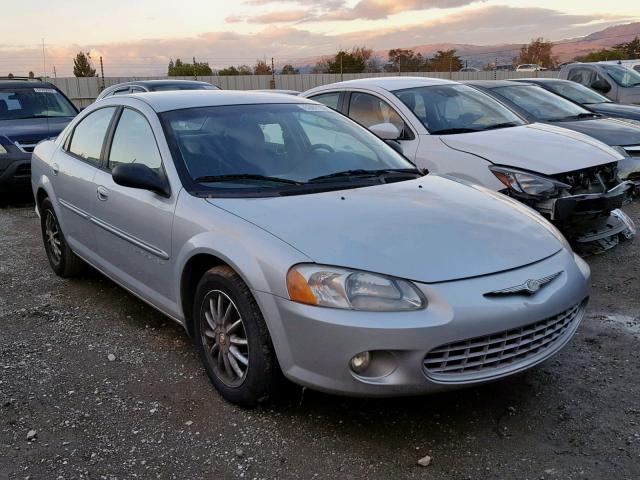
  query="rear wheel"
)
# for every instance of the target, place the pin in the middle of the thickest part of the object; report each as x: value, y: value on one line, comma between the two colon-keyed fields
x: 233, y: 340
x: 63, y: 261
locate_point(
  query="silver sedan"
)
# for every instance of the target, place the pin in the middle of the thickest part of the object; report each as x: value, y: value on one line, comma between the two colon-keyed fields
x: 292, y: 243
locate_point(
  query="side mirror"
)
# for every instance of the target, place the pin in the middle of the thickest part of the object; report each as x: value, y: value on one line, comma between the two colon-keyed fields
x: 137, y: 175
x: 601, y: 85
x: 386, y: 131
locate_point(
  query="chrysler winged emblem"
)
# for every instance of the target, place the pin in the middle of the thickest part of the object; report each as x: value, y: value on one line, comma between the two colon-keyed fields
x: 529, y: 287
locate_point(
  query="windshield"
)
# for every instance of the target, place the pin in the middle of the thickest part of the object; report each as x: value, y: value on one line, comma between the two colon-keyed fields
x: 33, y: 102
x: 540, y: 103
x: 577, y: 92
x: 275, y: 146
x: 623, y: 76
x: 450, y: 109
x: 182, y: 86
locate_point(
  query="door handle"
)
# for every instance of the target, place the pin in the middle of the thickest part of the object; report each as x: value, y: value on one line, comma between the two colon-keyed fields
x: 102, y: 193
x: 56, y: 168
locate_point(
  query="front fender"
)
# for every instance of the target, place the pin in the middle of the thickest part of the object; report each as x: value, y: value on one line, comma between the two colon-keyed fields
x: 258, y: 257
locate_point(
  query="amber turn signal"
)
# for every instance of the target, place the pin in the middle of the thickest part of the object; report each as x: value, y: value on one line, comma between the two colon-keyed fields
x: 299, y: 290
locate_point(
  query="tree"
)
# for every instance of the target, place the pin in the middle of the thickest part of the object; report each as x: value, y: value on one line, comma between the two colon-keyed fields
x: 289, y: 70
x: 32, y: 75
x: 603, y: 54
x: 244, y: 70
x: 346, y: 62
x: 445, y: 61
x: 230, y: 71
x: 321, y: 66
x: 405, y: 60
x: 622, y: 51
x: 539, y: 52
x: 261, y: 68
x: 82, y: 65
x: 181, y: 69
x: 10, y: 75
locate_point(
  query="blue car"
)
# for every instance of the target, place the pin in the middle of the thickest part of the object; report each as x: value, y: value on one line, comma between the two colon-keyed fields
x: 30, y: 111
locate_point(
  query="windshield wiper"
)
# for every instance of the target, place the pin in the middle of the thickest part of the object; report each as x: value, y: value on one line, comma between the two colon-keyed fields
x: 362, y: 173
x: 451, y: 131
x: 244, y: 176
x: 500, y: 125
x: 577, y: 117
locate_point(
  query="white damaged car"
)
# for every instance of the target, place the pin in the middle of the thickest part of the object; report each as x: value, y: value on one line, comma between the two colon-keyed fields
x: 453, y: 129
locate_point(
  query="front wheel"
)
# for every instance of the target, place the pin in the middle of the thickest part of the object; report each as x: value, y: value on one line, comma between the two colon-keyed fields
x: 233, y: 340
x: 63, y: 261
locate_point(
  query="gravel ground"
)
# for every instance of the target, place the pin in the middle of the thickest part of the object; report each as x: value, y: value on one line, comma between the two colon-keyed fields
x: 95, y: 384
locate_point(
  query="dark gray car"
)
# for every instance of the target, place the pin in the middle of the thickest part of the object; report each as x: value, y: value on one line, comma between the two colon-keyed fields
x: 539, y: 105
x: 587, y: 97
x: 140, y: 86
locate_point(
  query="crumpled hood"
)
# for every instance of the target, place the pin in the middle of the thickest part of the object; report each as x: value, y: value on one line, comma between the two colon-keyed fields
x: 32, y: 130
x: 545, y: 149
x: 443, y: 231
x: 607, y: 130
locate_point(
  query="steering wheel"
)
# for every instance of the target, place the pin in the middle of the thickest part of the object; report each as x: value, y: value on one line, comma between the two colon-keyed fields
x: 322, y: 146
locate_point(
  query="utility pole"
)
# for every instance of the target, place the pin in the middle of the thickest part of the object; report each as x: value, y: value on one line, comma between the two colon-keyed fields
x: 195, y: 76
x: 399, y: 62
x: 341, y: 55
x: 44, y: 61
x: 273, y: 76
x: 102, y: 72
x: 55, y: 75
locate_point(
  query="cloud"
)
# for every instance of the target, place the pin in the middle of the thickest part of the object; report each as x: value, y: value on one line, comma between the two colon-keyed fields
x: 338, y: 10
x: 279, y: 16
x: 148, y: 57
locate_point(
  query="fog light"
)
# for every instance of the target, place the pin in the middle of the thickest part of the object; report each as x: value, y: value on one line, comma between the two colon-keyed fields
x: 360, y: 362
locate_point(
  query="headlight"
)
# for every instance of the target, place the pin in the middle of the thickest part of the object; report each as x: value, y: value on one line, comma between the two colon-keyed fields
x: 528, y: 183
x: 2, y: 150
x: 351, y: 289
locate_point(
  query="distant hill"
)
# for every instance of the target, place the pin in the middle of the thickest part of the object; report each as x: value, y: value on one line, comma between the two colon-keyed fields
x: 480, y: 55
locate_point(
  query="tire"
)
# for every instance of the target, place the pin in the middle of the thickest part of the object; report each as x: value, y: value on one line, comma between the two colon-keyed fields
x: 63, y: 261
x: 222, y: 300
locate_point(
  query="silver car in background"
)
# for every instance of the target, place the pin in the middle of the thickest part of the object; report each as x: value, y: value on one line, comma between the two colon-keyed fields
x: 287, y: 239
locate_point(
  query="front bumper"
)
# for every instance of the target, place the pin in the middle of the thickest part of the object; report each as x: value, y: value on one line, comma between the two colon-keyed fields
x: 15, y: 171
x: 314, y: 345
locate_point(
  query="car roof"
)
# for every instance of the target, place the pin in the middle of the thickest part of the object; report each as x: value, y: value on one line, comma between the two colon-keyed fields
x: 177, y: 100
x: 25, y: 84
x: 391, y: 83
x: 155, y: 83
x: 492, y: 83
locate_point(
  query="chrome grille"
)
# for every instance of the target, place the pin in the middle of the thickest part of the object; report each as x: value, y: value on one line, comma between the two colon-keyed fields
x: 480, y: 356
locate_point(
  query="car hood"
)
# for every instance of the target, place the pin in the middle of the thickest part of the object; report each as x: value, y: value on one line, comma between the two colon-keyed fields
x: 432, y: 229
x: 607, y: 130
x: 617, y: 110
x: 545, y: 149
x: 32, y: 130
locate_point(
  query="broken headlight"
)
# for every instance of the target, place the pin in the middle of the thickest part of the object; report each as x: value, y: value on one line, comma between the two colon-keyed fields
x: 527, y: 183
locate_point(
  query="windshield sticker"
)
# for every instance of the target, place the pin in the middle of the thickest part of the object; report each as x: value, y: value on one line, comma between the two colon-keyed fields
x: 44, y: 90
x: 313, y: 108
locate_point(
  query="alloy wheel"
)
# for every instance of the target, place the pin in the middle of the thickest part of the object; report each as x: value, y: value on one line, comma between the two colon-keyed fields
x: 224, y: 338
x: 52, y: 236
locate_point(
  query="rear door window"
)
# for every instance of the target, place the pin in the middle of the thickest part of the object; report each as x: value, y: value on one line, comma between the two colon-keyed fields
x: 88, y: 136
x: 581, y: 75
x: 331, y: 100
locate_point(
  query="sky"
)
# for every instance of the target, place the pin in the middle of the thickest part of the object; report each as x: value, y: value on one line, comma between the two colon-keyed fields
x: 138, y: 37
